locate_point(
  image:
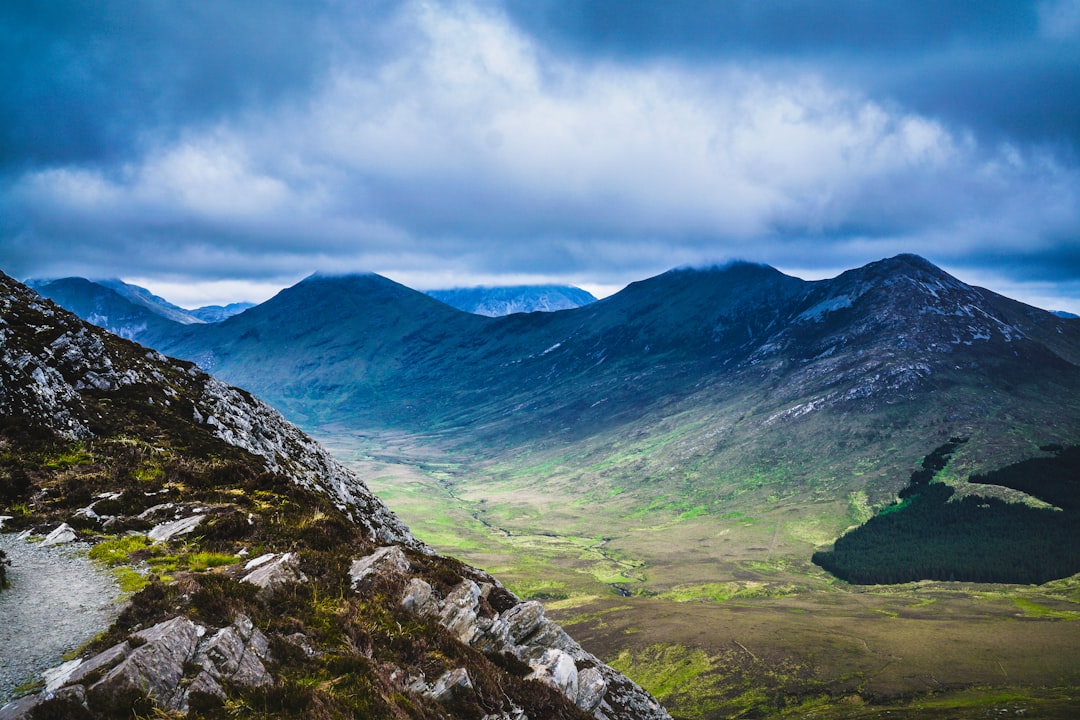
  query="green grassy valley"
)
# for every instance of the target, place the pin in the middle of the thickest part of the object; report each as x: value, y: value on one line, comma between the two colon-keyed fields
x: 722, y: 614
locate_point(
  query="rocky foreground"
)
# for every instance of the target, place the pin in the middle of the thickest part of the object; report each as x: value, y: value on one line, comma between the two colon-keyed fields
x: 268, y: 581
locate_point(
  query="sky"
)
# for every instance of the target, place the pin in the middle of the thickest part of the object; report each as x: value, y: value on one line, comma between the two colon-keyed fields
x: 219, y: 151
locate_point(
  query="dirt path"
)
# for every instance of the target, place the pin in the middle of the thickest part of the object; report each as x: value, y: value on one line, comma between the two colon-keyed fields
x: 58, y: 600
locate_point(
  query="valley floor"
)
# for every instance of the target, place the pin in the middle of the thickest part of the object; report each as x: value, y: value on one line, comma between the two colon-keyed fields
x: 726, y: 617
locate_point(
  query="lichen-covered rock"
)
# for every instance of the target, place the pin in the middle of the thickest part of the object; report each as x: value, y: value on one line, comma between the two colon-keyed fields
x: 154, y: 668
x: 169, y: 662
x: 523, y: 631
x: 558, y: 670
x: 384, y: 560
x: 167, y: 531
x: 458, y: 612
x: 591, y: 688
x: 450, y: 684
x: 273, y: 570
x: 417, y: 596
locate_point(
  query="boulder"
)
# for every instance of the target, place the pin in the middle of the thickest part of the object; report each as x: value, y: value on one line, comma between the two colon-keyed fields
x: 458, y: 614
x: 154, y: 668
x: 169, y: 530
x: 591, y: 689
x: 523, y: 620
x: 271, y: 571
x: 450, y: 685
x: 61, y: 535
x: 417, y: 596
x: 386, y: 559
x: 236, y: 653
x: 557, y: 669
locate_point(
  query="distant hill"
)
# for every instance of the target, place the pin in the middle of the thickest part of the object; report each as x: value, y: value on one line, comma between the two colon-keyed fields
x: 1064, y: 314
x: 150, y: 301
x: 217, y: 313
x: 126, y: 313
x: 499, y: 301
x: 127, y: 310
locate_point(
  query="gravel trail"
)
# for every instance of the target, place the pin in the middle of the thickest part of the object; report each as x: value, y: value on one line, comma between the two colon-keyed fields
x: 57, y: 601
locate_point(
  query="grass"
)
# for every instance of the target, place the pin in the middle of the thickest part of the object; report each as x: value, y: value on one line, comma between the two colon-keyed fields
x: 727, y: 599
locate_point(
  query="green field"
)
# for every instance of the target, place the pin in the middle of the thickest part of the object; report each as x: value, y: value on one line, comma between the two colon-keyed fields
x: 715, y: 606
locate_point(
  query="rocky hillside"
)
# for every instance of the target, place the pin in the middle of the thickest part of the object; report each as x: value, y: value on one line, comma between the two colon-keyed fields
x: 267, y: 580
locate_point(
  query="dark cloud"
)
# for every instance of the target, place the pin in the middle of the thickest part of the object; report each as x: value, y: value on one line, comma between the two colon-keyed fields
x: 99, y: 81
x: 1003, y: 68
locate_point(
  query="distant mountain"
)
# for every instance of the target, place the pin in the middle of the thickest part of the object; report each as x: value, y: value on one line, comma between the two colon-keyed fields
x: 217, y: 313
x: 1064, y: 314
x: 161, y: 466
x: 150, y: 301
x: 127, y: 312
x: 499, y: 301
x: 754, y: 372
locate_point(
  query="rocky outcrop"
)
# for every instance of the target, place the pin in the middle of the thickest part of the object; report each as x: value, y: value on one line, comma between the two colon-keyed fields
x: 520, y: 630
x: 170, y: 663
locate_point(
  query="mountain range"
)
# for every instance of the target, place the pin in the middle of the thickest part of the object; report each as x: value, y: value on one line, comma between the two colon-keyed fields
x: 726, y: 372
x: 268, y: 580
x: 751, y: 369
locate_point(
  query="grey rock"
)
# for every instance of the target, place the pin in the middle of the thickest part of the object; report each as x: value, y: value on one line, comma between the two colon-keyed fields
x: 458, y: 614
x: 21, y: 708
x: 204, y: 683
x: 236, y: 653
x: 591, y: 688
x: 156, y: 667
x: 63, y: 534
x: 272, y: 571
x: 80, y: 669
x: 169, y: 530
x: 450, y: 685
x: 557, y: 669
x: 523, y: 619
x: 417, y: 596
x: 386, y: 559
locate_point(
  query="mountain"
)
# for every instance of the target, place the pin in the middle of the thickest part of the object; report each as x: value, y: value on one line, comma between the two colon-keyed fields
x: 178, y: 480
x: 142, y: 296
x: 499, y: 301
x: 124, y: 312
x: 128, y: 310
x: 1067, y: 315
x: 217, y: 313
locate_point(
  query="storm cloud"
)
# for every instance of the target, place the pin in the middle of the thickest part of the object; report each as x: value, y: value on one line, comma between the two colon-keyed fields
x: 458, y: 143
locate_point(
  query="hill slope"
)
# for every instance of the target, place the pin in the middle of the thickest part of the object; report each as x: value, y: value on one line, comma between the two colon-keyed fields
x: 343, y: 614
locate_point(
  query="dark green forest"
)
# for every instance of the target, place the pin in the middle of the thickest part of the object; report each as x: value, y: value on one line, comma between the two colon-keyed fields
x: 930, y: 535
